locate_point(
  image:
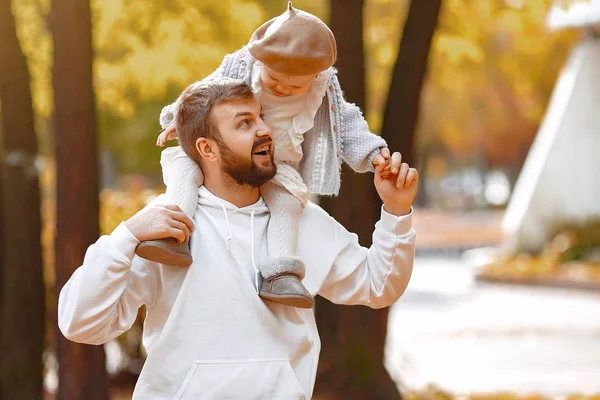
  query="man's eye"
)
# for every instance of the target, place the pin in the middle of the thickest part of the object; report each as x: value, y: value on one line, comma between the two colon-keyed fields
x: 244, y: 123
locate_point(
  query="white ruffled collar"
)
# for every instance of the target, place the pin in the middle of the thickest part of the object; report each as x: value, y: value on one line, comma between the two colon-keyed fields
x: 305, y: 119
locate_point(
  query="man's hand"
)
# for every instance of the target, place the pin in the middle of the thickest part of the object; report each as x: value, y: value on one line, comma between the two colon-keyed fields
x: 159, y: 222
x: 396, y: 184
x: 166, y: 135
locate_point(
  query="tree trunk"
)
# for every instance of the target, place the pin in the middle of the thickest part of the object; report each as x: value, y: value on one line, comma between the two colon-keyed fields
x: 353, y: 338
x: 402, y: 107
x: 21, y: 279
x: 421, y: 198
x: 82, y: 369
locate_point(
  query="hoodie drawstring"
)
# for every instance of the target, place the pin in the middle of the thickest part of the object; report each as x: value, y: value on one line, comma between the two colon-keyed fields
x: 252, y: 244
x: 228, y: 240
x: 256, y: 272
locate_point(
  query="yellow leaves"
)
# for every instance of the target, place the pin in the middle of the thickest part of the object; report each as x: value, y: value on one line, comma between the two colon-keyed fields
x: 37, y: 47
x: 117, y: 206
x: 457, y: 49
x: 386, y: 54
x: 247, y: 16
x: 511, y: 21
x: 147, y: 68
x: 518, y: 4
x: 178, y: 48
x: 566, y: 4
x: 139, y: 44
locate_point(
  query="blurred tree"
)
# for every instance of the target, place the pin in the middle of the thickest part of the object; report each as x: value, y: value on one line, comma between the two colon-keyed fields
x: 82, y: 372
x: 352, y: 352
x: 21, y: 278
x: 404, y: 97
x: 492, y: 68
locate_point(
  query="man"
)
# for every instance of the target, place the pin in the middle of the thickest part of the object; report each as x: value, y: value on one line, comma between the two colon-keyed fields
x: 207, y: 333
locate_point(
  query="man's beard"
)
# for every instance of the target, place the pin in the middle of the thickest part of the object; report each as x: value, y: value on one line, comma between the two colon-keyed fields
x: 245, y: 171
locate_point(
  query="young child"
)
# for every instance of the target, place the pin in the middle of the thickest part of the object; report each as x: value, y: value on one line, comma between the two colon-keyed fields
x: 288, y: 63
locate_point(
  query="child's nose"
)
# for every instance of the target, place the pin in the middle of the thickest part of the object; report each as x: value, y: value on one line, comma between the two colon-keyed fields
x: 283, y: 88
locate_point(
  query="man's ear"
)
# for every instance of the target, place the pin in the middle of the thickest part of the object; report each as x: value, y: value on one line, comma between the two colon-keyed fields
x: 207, y: 149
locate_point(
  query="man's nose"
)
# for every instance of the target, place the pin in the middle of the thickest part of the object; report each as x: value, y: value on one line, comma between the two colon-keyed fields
x: 263, y: 129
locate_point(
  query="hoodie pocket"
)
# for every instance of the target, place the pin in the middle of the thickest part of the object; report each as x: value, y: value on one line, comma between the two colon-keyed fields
x: 254, y: 379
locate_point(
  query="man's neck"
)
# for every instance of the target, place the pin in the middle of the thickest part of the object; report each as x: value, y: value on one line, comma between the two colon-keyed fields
x: 227, y: 189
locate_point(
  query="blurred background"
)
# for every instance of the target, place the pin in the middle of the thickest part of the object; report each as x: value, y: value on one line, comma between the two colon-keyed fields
x: 496, y: 102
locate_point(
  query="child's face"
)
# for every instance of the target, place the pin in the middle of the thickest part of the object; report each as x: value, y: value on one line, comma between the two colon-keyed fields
x: 283, y: 85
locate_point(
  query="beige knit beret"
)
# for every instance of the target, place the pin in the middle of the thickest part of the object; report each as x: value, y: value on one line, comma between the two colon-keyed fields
x: 294, y: 43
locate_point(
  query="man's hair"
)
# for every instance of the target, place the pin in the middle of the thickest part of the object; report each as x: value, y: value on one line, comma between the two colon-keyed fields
x: 194, y: 108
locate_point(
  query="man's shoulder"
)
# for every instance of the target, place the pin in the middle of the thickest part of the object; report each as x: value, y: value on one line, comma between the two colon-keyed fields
x: 314, y: 209
x: 313, y: 217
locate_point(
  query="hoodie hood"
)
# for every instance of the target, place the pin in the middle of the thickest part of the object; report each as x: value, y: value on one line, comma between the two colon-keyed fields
x: 207, y: 199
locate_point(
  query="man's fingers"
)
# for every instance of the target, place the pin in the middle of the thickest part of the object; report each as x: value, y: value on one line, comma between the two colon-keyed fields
x: 402, y: 175
x: 180, y: 217
x: 181, y: 226
x: 177, y: 234
x: 412, y: 177
x: 172, y: 207
x: 396, y: 162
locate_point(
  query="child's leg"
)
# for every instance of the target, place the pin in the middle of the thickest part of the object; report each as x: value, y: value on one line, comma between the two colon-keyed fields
x: 282, y: 232
x: 283, y: 271
x: 182, y: 176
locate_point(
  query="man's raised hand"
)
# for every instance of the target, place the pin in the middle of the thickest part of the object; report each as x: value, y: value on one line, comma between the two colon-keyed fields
x: 159, y: 222
x: 396, y: 184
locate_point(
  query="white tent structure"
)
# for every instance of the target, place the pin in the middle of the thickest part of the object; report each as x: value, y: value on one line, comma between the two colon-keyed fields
x: 560, y: 180
x: 579, y: 14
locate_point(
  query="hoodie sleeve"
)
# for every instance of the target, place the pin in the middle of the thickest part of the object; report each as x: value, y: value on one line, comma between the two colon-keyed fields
x: 101, y: 299
x: 374, y: 277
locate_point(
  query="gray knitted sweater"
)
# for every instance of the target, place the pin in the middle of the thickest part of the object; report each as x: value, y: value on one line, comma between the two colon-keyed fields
x: 340, y: 133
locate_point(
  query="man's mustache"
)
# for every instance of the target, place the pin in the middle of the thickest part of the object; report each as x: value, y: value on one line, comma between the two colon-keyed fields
x: 260, y: 142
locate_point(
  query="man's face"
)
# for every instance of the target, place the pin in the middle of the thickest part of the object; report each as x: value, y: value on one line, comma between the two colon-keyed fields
x: 246, y: 148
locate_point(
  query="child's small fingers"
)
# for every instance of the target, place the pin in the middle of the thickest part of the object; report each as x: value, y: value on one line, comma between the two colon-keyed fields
x: 385, y: 152
x: 378, y: 160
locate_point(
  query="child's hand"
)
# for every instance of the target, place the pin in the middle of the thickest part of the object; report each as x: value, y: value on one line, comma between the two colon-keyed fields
x: 166, y: 135
x: 383, y: 159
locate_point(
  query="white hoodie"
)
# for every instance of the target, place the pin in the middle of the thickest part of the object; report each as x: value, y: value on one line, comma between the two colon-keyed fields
x: 207, y: 333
